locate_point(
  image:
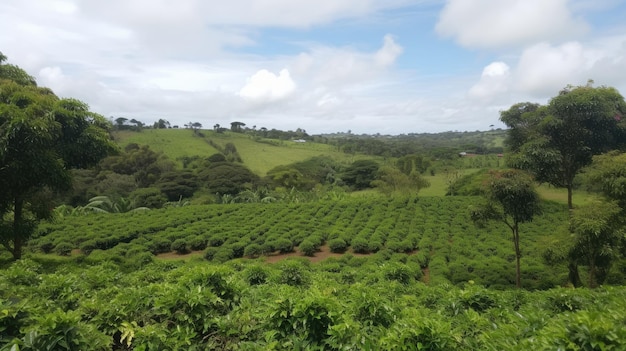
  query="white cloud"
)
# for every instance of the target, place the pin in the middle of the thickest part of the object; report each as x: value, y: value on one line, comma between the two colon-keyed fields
x: 387, y: 55
x: 265, y: 86
x: 505, y: 23
x: 493, y: 82
x: 544, y: 69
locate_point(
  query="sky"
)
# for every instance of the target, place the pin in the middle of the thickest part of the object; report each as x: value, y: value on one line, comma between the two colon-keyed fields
x: 365, y: 66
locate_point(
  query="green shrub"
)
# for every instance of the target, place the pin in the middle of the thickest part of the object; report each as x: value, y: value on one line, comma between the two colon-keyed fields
x: 398, y: 272
x: 238, y: 249
x: 197, y: 243
x: 267, y: 248
x: 88, y: 246
x: 394, y: 245
x: 210, y: 252
x: 283, y: 245
x: 46, y: 245
x: 360, y: 245
x: 216, y: 240
x: 252, y: 250
x: 180, y: 246
x: 256, y: 275
x: 308, y: 247
x: 337, y: 245
x: 64, y: 248
x: 223, y: 254
x: 293, y: 273
x: 159, y: 245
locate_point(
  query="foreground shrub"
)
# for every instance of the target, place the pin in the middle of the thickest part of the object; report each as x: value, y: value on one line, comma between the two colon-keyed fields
x: 398, y: 272
x: 293, y: 273
x: 337, y: 245
x: 256, y: 275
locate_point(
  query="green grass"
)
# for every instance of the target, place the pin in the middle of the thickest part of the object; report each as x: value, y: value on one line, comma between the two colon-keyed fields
x: 174, y: 143
x: 579, y: 197
x: 259, y: 157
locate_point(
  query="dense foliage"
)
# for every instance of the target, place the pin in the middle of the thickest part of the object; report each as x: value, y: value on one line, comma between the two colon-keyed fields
x: 341, y: 304
x: 438, y: 229
x: 41, y: 138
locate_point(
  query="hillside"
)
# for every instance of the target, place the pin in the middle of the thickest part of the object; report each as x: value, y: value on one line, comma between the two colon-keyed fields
x: 259, y: 155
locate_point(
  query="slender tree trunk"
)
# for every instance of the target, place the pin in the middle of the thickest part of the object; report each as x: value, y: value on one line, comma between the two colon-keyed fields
x: 518, y: 256
x: 17, y: 229
x: 573, y: 275
x: 592, y: 274
x: 570, y: 205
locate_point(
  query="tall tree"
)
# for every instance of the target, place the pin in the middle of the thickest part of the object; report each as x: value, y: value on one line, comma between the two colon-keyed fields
x: 237, y: 127
x: 511, y: 199
x: 41, y: 138
x: 556, y: 141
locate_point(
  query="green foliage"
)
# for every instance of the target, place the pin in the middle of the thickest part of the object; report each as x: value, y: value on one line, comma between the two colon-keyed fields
x: 180, y: 246
x: 293, y: 273
x: 398, y: 272
x: 360, y: 174
x: 308, y: 247
x: 360, y: 245
x: 283, y: 245
x: 43, y: 137
x: 256, y: 275
x: 63, y: 248
x: 337, y: 245
x: 511, y: 199
x: 556, y: 141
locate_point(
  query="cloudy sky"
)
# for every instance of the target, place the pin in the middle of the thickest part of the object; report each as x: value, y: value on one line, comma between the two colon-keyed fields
x: 369, y: 66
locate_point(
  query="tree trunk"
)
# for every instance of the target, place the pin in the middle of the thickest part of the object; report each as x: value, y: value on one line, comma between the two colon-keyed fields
x: 573, y: 275
x: 570, y: 205
x: 518, y: 256
x: 17, y: 229
x: 592, y: 274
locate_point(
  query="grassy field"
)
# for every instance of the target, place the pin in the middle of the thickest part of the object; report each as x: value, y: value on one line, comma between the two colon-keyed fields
x: 580, y: 198
x: 174, y: 143
x: 260, y: 157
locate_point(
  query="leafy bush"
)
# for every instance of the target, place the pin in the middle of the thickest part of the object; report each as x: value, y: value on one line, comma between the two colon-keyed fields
x: 308, y: 247
x: 256, y: 275
x: 252, y: 250
x: 46, y: 245
x: 197, y: 243
x: 223, y: 254
x: 180, y: 246
x: 237, y: 248
x: 360, y: 245
x: 210, y: 252
x: 398, y: 272
x: 64, y: 248
x: 293, y: 273
x: 337, y: 245
x: 160, y: 245
x: 283, y: 245
x: 372, y: 310
x: 88, y: 246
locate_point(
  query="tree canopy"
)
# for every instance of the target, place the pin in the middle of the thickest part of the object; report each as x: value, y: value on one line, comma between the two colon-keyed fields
x: 42, y: 137
x: 556, y: 141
